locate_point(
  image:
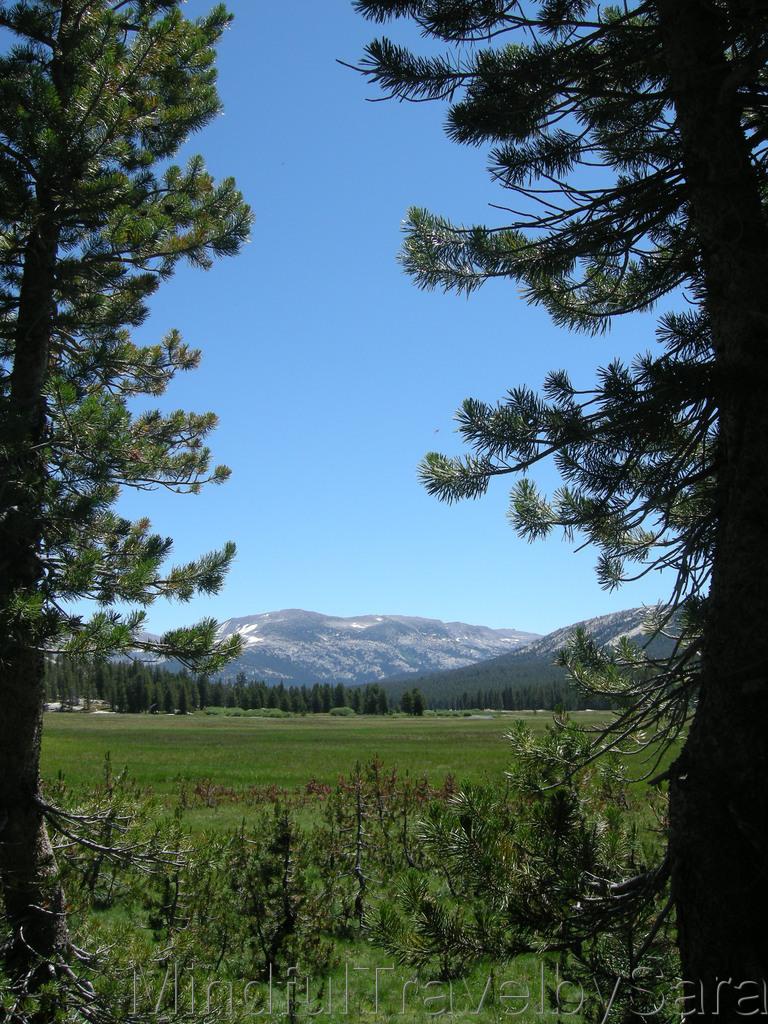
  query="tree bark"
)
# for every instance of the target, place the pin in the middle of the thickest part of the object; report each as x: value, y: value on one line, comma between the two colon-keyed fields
x: 719, y: 786
x: 31, y: 893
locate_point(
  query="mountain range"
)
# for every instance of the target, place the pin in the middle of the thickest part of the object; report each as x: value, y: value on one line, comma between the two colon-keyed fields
x: 444, y: 659
x: 532, y: 665
x: 301, y: 647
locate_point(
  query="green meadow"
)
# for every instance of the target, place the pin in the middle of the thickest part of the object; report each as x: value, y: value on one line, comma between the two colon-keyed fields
x: 212, y: 774
x: 161, y: 751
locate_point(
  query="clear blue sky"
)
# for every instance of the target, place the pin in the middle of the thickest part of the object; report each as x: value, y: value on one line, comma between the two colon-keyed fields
x: 333, y: 374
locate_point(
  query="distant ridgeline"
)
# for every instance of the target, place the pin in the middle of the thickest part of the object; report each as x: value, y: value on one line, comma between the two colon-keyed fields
x: 136, y: 687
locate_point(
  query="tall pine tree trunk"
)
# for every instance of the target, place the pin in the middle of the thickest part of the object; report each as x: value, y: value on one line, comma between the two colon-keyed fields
x: 719, y: 788
x: 31, y: 893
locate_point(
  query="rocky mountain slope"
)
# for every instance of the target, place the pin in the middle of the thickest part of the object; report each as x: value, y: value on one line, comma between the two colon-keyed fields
x: 530, y: 665
x: 303, y: 647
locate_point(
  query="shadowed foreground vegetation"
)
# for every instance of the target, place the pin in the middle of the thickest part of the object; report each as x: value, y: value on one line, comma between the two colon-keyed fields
x: 317, y: 851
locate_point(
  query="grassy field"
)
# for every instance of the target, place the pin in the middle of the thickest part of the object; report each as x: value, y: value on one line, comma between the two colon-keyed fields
x: 169, y: 755
x: 161, y: 751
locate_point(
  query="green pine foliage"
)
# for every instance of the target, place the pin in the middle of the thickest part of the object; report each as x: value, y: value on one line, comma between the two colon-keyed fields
x: 452, y: 882
x: 493, y: 684
x: 94, y: 109
x: 550, y: 864
x: 97, y: 100
x: 554, y: 91
x: 628, y: 142
x: 412, y: 702
x: 135, y: 686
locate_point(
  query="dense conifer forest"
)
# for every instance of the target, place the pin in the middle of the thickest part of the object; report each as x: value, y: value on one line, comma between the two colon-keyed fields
x: 136, y: 687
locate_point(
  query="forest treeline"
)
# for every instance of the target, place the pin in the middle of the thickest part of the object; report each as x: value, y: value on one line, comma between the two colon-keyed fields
x: 136, y: 687
x: 547, y: 696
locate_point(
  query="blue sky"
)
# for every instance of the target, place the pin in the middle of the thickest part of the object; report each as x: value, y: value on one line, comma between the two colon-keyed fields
x: 333, y: 374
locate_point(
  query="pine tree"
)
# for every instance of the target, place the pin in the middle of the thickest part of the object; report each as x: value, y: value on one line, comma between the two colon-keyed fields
x: 327, y: 697
x: 169, y: 698
x: 370, y: 700
x: 183, y: 699
x: 97, y: 98
x: 664, y: 462
x: 203, y: 689
x: 339, y: 696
